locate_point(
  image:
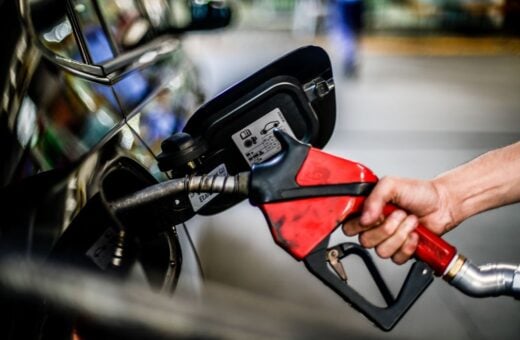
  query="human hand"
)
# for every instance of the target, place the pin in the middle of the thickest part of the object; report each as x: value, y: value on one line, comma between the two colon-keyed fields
x: 420, y: 201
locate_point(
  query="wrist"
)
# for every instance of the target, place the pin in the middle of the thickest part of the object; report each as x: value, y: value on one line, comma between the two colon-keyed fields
x: 450, y: 217
x: 486, y: 182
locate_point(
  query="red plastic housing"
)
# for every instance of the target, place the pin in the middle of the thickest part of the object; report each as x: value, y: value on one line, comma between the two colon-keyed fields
x: 300, y: 225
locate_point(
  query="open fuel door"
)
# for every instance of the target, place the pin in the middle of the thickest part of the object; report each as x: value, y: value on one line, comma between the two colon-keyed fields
x: 234, y: 130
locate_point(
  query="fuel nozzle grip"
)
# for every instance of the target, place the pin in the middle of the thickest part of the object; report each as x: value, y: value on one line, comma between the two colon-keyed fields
x: 305, y: 194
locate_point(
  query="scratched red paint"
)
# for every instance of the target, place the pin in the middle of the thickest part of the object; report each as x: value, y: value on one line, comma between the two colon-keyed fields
x: 322, y: 168
x: 317, y: 218
x: 299, y: 226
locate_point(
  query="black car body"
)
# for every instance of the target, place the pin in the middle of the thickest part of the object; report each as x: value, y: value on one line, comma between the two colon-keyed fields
x: 63, y: 131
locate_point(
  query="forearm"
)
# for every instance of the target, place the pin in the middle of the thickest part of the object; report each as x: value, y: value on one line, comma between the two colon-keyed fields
x: 486, y: 182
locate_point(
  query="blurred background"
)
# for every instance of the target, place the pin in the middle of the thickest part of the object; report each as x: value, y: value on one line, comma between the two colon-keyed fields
x: 421, y: 86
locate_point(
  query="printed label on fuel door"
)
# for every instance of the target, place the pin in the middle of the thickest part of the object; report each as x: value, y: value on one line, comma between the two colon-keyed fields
x: 257, y: 142
x: 199, y: 200
x: 102, y: 250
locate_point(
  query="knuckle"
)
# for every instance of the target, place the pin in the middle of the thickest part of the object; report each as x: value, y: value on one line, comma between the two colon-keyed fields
x: 410, y: 246
x: 388, y: 228
x: 347, y: 229
x: 348, y: 232
x: 351, y: 227
x: 413, y: 219
x: 411, y: 222
x: 364, y: 240
x: 390, y: 225
x: 383, y: 252
x: 408, y: 249
x: 383, y: 186
x: 399, y: 215
x: 400, y: 237
x: 386, y: 181
x: 400, y: 258
x: 407, y: 226
x: 390, y: 182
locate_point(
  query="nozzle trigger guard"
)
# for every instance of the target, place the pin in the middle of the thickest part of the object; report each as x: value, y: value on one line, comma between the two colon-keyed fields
x: 418, y: 279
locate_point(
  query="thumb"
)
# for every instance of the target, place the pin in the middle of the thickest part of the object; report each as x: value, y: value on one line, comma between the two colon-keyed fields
x: 383, y: 193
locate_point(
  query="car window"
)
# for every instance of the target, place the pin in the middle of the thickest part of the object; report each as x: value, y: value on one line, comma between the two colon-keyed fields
x: 98, y: 42
x: 60, y: 39
x: 125, y: 22
x: 63, y: 118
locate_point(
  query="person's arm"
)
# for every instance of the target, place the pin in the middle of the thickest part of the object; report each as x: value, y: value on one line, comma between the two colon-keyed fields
x: 487, y: 182
x: 440, y: 204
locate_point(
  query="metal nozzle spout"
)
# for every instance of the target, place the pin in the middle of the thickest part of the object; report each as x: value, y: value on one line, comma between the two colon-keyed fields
x: 494, y: 279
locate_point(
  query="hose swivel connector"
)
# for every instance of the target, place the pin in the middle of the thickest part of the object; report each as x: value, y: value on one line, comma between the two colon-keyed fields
x: 494, y: 279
